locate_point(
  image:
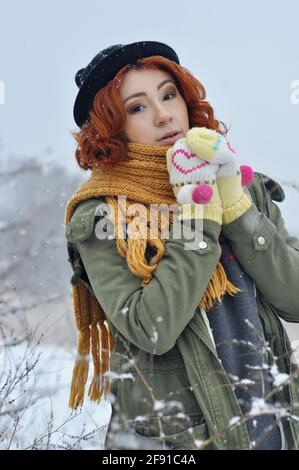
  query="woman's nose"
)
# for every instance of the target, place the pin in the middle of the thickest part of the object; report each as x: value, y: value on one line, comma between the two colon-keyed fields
x: 161, y: 114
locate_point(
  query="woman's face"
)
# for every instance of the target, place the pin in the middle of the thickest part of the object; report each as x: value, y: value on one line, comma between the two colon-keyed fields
x: 159, y: 110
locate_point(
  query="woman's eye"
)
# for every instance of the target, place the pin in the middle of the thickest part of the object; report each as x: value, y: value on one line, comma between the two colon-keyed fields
x: 174, y: 93
x: 134, y: 108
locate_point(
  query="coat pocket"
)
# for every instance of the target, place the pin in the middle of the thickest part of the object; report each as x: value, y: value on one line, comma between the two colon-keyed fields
x: 175, y: 434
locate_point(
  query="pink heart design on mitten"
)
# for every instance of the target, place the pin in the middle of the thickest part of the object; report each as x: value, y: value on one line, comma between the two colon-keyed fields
x: 179, y: 157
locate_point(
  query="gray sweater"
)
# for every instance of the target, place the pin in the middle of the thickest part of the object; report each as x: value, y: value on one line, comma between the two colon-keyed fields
x: 238, y: 336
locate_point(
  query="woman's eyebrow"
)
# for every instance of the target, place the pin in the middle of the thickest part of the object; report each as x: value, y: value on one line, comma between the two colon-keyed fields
x: 142, y: 93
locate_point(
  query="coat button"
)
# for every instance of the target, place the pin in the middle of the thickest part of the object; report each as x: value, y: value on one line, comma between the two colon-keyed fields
x: 261, y: 240
x: 202, y: 245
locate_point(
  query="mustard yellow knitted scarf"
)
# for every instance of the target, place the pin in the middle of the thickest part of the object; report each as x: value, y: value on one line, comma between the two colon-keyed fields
x: 142, y: 178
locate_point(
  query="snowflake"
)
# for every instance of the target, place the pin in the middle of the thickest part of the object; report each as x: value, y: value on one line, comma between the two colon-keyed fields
x: 279, y: 378
x: 234, y: 420
x: 124, y: 310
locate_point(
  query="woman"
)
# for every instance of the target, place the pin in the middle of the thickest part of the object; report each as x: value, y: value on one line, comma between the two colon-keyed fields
x: 187, y: 319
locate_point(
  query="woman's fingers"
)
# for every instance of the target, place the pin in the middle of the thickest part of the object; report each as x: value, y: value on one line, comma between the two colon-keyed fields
x: 203, y: 142
x: 204, y: 133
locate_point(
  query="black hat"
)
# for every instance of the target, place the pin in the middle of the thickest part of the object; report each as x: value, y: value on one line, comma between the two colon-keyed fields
x: 105, y: 65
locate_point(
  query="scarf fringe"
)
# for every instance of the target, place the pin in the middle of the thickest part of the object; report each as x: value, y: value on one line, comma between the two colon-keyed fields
x: 80, y: 371
x: 98, y: 339
x: 217, y: 287
x: 100, y: 385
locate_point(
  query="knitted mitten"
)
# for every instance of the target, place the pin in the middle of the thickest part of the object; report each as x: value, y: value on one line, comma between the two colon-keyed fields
x: 214, y: 148
x: 193, y: 181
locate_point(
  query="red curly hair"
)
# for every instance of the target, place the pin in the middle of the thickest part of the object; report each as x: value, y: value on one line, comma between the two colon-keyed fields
x: 102, y: 140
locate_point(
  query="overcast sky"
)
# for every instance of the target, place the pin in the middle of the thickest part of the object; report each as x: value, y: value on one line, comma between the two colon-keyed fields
x: 246, y: 56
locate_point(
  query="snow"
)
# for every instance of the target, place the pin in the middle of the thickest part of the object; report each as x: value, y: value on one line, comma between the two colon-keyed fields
x: 166, y: 405
x: 260, y: 406
x: 124, y: 310
x: 234, y: 420
x: 279, y: 378
x: 43, y: 399
x: 198, y: 442
x: 246, y: 382
x: 155, y: 336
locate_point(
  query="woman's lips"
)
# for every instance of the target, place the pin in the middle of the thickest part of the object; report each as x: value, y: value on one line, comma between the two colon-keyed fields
x: 172, y: 139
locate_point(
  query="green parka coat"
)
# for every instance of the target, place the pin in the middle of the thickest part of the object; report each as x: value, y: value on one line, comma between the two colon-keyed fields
x: 164, y: 352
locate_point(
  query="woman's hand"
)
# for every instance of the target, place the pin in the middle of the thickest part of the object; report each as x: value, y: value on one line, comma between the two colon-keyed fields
x: 214, y: 148
x: 193, y: 181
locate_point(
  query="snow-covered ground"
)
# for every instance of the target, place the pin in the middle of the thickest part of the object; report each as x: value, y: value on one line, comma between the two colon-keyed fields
x: 39, y: 417
x: 45, y: 417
